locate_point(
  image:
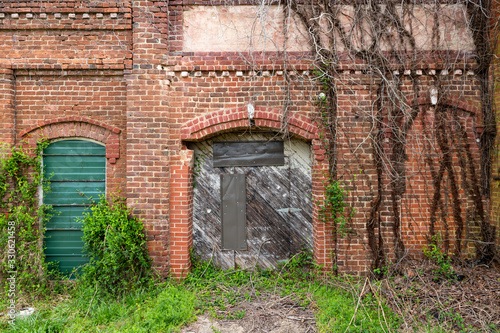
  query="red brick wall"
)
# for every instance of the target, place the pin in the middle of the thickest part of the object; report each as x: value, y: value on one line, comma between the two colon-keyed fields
x: 495, y: 184
x: 62, y: 68
x: 149, y: 150
x: 7, y: 110
x: 115, y: 72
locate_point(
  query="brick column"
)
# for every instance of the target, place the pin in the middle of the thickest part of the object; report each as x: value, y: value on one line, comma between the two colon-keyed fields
x: 355, y: 172
x: 148, y: 132
x: 495, y: 168
x: 181, y: 214
x: 7, y: 109
x: 323, y: 232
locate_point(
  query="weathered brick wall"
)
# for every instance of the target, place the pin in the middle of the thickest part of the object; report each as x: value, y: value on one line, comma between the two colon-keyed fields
x: 7, y: 114
x: 149, y: 151
x: 495, y: 184
x: 117, y: 72
x: 371, y: 196
x: 62, y: 65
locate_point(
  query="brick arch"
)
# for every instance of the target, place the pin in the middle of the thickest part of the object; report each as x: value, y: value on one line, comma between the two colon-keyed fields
x: 214, y: 123
x: 454, y: 101
x: 77, y: 127
x: 217, y: 122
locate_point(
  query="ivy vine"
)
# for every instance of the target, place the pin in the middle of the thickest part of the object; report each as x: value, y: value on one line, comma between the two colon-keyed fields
x: 21, y: 220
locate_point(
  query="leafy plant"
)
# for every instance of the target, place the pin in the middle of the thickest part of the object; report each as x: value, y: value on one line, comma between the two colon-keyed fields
x: 334, y: 206
x: 116, y: 244
x: 21, y: 221
x: 197, y: 168
x: 434, y: 253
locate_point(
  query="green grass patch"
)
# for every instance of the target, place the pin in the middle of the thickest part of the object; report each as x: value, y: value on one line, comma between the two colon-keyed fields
x: 160, y: 309
x: 342, y: 311
x: 165, y: 307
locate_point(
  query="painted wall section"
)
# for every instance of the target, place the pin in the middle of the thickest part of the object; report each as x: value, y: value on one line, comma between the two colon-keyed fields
x: 262, y: 28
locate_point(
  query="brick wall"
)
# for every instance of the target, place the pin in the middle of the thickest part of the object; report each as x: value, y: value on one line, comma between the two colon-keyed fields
x: 495, y: 184
x: 7, y: 115
x: 149, y: 151
x: 62, y: 69
x: 116, y: 72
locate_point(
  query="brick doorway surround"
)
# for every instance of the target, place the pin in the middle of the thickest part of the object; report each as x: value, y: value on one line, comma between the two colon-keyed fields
x: 214, y: 123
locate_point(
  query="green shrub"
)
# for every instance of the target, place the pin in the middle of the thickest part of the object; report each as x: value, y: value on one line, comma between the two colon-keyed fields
x: 116, y: 244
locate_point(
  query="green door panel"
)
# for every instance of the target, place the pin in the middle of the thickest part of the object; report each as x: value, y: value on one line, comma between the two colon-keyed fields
x: 76, y: 171
x: 73, y: 193
x: 75, y: 147
x: 66, y: 218
x: 63, y: 242
x: 74, y: 168
x: 67, y: 264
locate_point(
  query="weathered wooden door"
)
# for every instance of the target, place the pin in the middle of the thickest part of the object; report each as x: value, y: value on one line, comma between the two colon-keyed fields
x: 278, y: 205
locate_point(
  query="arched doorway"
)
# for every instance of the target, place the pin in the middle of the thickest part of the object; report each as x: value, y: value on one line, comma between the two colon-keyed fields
x: 273, y: 195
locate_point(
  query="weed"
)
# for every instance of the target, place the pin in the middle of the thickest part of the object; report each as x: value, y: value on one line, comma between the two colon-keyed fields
x: 339, y: 312
x: 382, y: 271
x: 166, y: 307
x: 335, y: 207
x: 434, y: 252
x: 158, y: 309
x: 198, y: 163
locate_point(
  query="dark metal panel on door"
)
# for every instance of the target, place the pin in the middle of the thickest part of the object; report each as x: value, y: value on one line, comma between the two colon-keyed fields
x: 233, y: 206
x: 255, y: 153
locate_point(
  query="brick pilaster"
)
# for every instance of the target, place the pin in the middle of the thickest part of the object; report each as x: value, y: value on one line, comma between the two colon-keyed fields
x: 181, y: 214
x: 7, y: 108
x: 148, y: 133
x: 495, y: 184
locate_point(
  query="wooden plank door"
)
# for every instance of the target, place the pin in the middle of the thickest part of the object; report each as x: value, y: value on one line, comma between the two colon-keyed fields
x: 278, y: 206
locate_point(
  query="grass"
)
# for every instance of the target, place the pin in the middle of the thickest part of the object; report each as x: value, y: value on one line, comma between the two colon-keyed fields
x: 167, y: 306
x: 341, y: 311
x: 160, y: 309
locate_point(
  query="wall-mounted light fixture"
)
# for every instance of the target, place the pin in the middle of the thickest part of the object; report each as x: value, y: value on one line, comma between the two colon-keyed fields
x: 433, y: 93
x: 479, y: 131
x: 251, y: 110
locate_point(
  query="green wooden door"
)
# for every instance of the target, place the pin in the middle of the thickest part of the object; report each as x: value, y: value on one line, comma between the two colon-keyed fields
x: 76, y: 172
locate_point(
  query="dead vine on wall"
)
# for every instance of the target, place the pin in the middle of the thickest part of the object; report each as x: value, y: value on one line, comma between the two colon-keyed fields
x: 382, y: 39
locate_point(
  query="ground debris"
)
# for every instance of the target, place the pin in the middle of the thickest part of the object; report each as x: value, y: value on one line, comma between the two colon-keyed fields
x: 468, y: 299
x: 268, y: 313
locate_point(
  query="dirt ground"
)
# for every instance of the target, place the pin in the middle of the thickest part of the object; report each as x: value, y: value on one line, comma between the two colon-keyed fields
x: 269, y: 313
x: 466, y: 300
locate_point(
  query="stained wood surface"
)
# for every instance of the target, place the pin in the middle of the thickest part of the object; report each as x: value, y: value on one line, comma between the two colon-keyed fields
x: 278, y: 209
